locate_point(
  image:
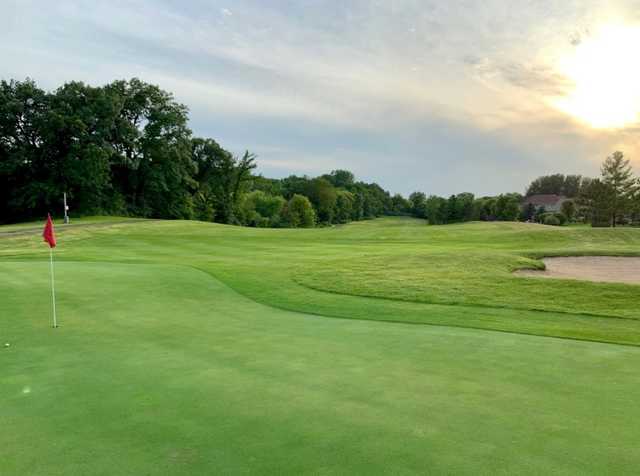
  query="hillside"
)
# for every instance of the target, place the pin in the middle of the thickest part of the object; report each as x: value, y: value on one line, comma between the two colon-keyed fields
x: 454, y: 275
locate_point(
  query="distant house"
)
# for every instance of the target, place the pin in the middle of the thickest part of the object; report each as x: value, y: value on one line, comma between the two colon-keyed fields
x: 550, y: 202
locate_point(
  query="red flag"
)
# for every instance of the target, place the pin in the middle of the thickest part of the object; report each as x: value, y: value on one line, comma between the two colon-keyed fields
x: 49, y: 233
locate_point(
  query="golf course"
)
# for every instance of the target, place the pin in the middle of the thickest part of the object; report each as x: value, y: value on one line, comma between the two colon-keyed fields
x: 383, y: 346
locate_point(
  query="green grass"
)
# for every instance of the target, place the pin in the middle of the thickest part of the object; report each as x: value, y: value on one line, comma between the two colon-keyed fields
x: 192, y: 348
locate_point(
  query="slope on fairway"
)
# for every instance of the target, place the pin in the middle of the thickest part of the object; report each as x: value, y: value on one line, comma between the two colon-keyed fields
x: 161, y: 369
x: 392, y: 269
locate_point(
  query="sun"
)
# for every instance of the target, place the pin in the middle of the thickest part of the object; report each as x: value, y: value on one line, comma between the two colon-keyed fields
x: 605, y: 72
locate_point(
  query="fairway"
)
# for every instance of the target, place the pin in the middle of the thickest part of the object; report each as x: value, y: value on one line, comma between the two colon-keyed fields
x: 380, y: 347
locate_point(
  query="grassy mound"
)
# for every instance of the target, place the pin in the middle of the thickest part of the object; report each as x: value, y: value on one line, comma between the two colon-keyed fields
x: 457, y: 275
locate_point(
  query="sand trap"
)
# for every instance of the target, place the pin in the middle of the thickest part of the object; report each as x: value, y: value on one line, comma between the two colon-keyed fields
x: 590, y: 268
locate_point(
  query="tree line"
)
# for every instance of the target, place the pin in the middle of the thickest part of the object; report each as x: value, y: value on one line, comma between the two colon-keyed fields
x: 126, y: 149
x: 607, y: 201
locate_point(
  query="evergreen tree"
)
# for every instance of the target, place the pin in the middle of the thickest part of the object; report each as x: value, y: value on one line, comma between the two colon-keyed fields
x: 617, y: 175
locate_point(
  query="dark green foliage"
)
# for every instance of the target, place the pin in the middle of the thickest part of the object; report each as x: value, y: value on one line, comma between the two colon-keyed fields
x: 528, y: 213
x: 553, y: 218
x: 261, y: 209
x: 485, y: 209
x: 400, y: 205
x: 465, y: 207
x: 596, y: 201
x: 612, y: 199
x: 125, y: 148
x: 568, y: 209
x: 436, y: 210
x: 340, y: 178
x: 267, y: 185
x: 465, y: 210
x: 418, y: 204
x: 299, y: 213
x: 344, y: 208
x: 323, y: 196
x: 151, y: 166
x: 608, y: 201
x: 293, y: 185
x: 556, y: 184
x: 122, y: 148
x: 508, y: 207
x: 221, y: 177
x: 24, y: 168
x: 617, y: 175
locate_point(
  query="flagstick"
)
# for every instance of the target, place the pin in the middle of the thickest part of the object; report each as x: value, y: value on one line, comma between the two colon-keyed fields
x: 53, y: 289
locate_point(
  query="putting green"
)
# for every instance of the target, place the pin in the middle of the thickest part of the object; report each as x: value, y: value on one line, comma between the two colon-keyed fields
x: 162, y: 369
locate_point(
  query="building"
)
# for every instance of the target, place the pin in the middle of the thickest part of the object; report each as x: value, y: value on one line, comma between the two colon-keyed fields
x: 550, y: 202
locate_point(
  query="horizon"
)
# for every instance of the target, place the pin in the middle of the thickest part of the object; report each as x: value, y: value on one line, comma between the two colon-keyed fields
x: 414, y: 96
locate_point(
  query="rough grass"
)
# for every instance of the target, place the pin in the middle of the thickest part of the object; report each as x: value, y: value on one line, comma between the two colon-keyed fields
x: 464, y: 270
x: 160, y: 368
x: 469, y: 277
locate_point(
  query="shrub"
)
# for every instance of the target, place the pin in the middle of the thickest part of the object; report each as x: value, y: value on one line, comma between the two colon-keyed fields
x: 299, y: 212
x: 550, y: 219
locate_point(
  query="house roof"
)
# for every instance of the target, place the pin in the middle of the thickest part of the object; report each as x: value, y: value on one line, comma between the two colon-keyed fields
x: 544, y: 199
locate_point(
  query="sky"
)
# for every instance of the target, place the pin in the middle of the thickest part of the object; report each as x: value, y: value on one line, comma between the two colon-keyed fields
x: 438, y: 96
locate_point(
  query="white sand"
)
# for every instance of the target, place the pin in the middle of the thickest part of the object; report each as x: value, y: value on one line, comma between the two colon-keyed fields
x: 590, y: 268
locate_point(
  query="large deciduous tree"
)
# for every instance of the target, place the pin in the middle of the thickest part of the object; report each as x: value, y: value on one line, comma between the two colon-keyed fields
x: 299, y: 213
x: 322, y: 194
x: 556, y: 184
x: 24, y: 172
x: 152, y: 166
x: 220, y: 177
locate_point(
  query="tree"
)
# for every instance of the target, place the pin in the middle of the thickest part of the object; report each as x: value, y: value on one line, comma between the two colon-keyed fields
x: 24, y: 184
x: 75, y: 137
x: 261, y: 209
x: 340, y: 178
x: 436, y: 210
x: 452, y: 214
x: 528, y: 212
x: 220, y: 177
x: 322, y: 194
x: 126, y: 148
x: 556, y: 184
x: 484, y: 209
x: 617, y: 175
x: 294, y: 185
x: 568, y: 209
x: 465, y: 206
x: 596, y: 200
x: 635, y: 204
x: 344, y: 206
x: 418, y: 202
x: 508, y: 206
x: 267, y: 185
x: 299, y: 212
x: 152, y: 167
x: 400, y: 205
x: 572, y: 185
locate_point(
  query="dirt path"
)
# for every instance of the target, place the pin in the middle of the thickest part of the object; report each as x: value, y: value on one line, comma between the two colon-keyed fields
x: 590, y: 268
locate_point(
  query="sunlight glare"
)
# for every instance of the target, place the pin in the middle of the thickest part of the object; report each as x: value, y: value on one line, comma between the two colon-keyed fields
x: 606, y: 74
